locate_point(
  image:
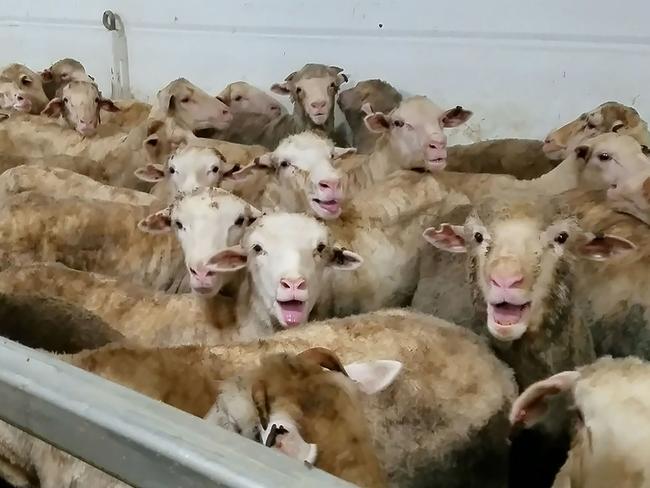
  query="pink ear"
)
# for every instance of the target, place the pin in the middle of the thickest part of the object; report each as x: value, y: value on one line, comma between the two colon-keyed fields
x: 281, y: 88
x: 151, y: 173
x: 108, y: 105
x: 531, y: 405
x: 229, y: 259
x: 377, y: 122
x: 455, y: 116
x: 601, y: 248
x: 46, y: 76
x: 156, y: 223
x: 446, y: 237
x: 53, y: 108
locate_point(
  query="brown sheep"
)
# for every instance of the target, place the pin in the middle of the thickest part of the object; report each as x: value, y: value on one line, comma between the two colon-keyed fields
x: 365, y: 98
x: 443, y: 421
x: 243, y: 97
x: 61, y: 73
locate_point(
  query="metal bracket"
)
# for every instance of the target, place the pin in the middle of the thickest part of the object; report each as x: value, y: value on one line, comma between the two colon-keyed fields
x: 120, y: 82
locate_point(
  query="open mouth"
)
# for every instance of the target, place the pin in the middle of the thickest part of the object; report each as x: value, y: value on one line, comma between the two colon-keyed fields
x: 507, y: 314
x: 437, y: 164
x: 293, y: 312
x: 330, y: 207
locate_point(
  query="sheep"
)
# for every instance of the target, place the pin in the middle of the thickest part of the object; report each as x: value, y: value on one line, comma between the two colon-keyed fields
x: 286, y: 257
x: 365, y: 98
x: 121, y: 154
x: 312, y: 89
x: 243, y: 97
x: 21, y: 89
x: 521, y: 158
x: 411, y: 137
x: 80, y: 104
x: 609, y: 412
x: 442, y: 422
x: 295, y: 396
x: 300, y: 177
x: 521, y: 257
x: 61, y: 73
x: 63, y: 183
x: 607, y: 117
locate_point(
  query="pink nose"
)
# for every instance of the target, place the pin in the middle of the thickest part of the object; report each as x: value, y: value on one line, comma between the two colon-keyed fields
x: 319, y: 104
x: 329, y: 184
x: 510, y: 281
x: 438, y: 144
x: 293, y: 284
x: 202, y: 274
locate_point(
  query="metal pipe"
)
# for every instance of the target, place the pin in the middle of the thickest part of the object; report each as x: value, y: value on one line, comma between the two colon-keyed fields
x: 140, y: 441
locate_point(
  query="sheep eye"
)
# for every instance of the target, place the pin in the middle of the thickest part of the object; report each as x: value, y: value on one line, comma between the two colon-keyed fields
x: 215, y: 169
x: 478, y: 237
x: 179, y: 226
x: 240, y: 220
x: 185, y: 100
x: 398, y: 123
x: 298, y: 90
x: 284, y: 164
x: 172, y: 170
x: 604, y: 157
x: 26, y: 81
x: 238, y: 98
x: 96, y: 99
x: 65, y: 100
x: 590, y: 125
x: 332, y: 85
x: 561, y: 238
x: 257, y: 248
x: 236, y: 167
x: 321, y: 247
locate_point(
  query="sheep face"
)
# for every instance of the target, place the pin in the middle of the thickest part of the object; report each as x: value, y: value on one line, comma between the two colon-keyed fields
x: 205, y: 222
x: 611, y: 159
x: 243, y: 97
x: 80, y: 103
x: 415, y: 130
x: 192, y: 106
x: 608, y: 117
x: 302, y: 166
x: 189, y: 168
x: 313, y: 89
x: 286, y: 256
x: 365, y: 98
x: 21, y: 89
x: 520, y: 260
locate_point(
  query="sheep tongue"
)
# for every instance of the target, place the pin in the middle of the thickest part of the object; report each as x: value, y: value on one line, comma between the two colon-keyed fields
x: 293, y: 312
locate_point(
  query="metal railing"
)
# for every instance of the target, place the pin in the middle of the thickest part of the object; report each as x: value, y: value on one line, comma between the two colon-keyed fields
x: 140, y: 441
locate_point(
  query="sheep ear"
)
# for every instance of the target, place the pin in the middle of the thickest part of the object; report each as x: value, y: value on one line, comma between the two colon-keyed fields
x: 604, y: 247
x: 366, y: 109
x: 108, y: 105
x: 229, y: 259
x: 446, y: 237
x: 531, y: 405
x: 282, y: 434
x: 151, y: 173
x: 157, y: 223
x: 374, y: 376
x: 583, y: 152
x: 323, y: 357
x: 377, y: 122
x: 455, y: 117
x: 47, y: 76
x: 53, y: 108
x: 341, y: 152
x: 345, y: 260
x: 281, y: 88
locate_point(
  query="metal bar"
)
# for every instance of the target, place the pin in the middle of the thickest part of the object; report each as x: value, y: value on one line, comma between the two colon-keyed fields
x: 120, y: 81
x: 140, y: 441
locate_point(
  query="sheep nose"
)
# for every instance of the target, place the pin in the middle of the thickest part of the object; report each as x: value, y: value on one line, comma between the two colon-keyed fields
x: 329, y: 184
x: 20, y: 98
x: 293, y: 284
x: 438, y: 144
x: 507, y: 281
x: 319, y: 104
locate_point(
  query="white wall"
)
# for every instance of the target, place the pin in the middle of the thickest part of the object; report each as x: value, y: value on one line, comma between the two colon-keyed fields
x: 524, y: 67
